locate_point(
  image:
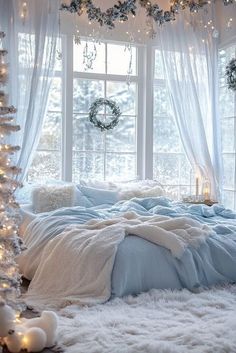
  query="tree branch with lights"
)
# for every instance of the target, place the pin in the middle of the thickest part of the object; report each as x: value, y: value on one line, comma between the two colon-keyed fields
x: 17, y: 333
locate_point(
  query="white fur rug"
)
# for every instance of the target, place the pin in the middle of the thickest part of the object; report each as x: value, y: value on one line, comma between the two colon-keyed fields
x: 154, y: 322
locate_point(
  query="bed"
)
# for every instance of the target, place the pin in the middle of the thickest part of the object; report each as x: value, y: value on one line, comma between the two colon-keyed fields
x: 61, y: 274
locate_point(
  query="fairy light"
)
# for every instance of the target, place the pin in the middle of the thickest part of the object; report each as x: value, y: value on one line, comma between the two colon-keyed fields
x: 10, y: 245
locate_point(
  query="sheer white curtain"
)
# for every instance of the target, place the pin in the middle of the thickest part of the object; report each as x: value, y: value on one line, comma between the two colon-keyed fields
x: 189, y: 54
x: 31, y: 43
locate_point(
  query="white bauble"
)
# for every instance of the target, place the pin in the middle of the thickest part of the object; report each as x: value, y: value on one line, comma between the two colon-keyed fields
x: 34, y: 339
x: 7, y: 317
x: 13, y: 342
x: 48, y: 323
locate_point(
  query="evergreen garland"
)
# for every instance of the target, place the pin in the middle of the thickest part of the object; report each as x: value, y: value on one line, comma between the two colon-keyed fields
x: 122, y: 10
x: 93, y: 111
x: 231, y: 74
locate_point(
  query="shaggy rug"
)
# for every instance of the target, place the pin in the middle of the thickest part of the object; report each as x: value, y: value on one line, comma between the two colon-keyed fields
x: 154, y: 322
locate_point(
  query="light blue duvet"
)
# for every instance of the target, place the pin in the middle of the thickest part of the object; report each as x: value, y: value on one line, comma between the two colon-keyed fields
x: 141, y: 265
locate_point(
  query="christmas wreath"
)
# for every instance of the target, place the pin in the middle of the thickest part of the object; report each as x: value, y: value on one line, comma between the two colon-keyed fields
x: 231, y: 74
x: 93, y: 111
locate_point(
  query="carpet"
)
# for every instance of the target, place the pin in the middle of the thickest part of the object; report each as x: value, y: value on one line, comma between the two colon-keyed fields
x: 154, y: 322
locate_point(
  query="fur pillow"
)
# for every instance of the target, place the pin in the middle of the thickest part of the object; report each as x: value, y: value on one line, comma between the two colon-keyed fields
x: 49, y: 198
x: 140, y: 191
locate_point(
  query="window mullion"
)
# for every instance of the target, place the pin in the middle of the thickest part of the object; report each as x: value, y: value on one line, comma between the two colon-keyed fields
x: 149, y: 113
x: 68, y: 108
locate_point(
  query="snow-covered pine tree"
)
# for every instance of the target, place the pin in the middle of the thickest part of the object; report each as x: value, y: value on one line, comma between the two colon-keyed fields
x: 9, y: 241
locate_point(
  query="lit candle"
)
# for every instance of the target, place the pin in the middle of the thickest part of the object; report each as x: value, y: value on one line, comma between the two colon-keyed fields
x: 197, y: 186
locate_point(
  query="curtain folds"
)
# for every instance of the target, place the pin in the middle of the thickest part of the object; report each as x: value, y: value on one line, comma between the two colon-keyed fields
x: 31, y: 43
x: 189, y: 56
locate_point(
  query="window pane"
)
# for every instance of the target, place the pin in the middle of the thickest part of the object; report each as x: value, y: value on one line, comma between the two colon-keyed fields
x: 227, y: 103
x: 26, y: 49
x: 165, y: 135
x: 166, y: 168
x: 228, y: 199
x: 123, y: 137
x: 93, y: 50
x: 119, y: 59
x: 228, y: 135
x: 229, y: 171
x: 51, y: 133
x: 159, y: 68
x: 124, y: 96
x: 87, y: 166
x: 54, y: 98
x: 161, y: 103
x: 186, y: 173
x: 86, y: 137
x: 45, y: 166
x: 225, y: 56
x: 120, y: 166
x: 85, y: 93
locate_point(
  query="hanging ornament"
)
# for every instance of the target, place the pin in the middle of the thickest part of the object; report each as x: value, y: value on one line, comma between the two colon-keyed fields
x: 59, y: 52
x: 24, y: 12
x: 128, y: 48
x: 89, y: 55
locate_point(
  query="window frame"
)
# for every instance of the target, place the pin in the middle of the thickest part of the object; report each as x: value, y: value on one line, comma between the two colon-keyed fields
x: 226, y: 189
x: 67, y: 103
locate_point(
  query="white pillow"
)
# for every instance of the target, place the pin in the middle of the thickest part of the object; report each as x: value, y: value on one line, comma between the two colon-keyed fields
x: 140, y: 189
x: 49, y: 198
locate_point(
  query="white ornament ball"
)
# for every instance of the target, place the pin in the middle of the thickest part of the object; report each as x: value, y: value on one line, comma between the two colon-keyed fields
x: 48, y: 323
x: 34, y: 339
x: 7, y: 317
x: 13, y: 342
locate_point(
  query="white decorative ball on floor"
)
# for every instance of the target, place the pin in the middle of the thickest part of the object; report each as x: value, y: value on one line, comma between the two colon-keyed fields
x: 13, y: 342
x: 7, y: 318
x: 34, y: 339
x: 48, y: 323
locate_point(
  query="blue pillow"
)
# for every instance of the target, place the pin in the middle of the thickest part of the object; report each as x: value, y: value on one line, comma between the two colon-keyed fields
x: 82, y: 200
x: 98, y: 196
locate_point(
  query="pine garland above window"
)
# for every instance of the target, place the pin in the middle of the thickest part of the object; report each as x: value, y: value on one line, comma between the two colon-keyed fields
x: 122, y: 10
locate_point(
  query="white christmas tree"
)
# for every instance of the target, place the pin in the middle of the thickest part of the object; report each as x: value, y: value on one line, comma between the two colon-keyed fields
x: 10, y: 243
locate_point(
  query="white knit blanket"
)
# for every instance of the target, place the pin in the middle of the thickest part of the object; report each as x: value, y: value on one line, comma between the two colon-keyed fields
x: 76, y: 266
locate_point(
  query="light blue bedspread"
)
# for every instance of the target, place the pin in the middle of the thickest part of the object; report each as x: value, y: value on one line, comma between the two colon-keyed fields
x: 141, y: 265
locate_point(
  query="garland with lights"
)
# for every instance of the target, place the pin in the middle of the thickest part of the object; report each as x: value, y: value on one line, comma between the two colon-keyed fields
x: 122, y: 10
x: 93, y: 111
x: 231, y: 74
x: 9, y: 241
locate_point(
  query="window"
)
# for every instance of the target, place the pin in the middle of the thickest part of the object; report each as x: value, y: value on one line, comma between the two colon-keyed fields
x: 170, y: 165
x: 47, y: 162
x: 72, y: 141
x: 111, y: 154
x: 71, y: 148
x: 227, y: 101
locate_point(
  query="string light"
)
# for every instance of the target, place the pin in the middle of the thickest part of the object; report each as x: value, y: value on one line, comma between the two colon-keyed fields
x: 10, y: 243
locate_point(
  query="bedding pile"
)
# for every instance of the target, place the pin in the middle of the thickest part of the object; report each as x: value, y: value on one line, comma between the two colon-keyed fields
x: 87, y: 255
x: 87, y: 252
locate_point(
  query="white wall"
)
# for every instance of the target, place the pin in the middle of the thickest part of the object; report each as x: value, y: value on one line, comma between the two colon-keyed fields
x: 224, y: 14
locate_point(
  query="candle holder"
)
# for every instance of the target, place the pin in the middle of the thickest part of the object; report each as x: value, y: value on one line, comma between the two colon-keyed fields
x: 3, y: 99
x: 206, y: 189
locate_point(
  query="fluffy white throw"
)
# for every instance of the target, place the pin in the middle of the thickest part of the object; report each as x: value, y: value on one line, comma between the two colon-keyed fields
x: 76, y: 266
